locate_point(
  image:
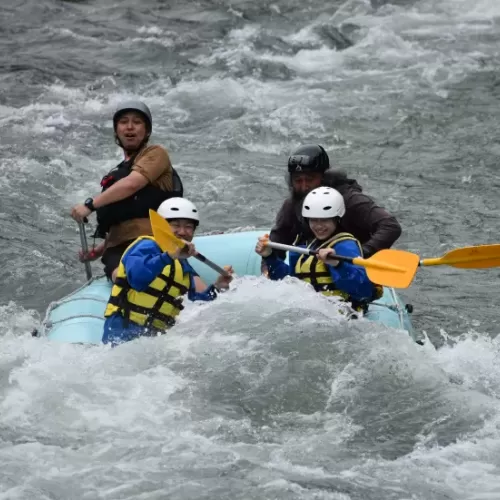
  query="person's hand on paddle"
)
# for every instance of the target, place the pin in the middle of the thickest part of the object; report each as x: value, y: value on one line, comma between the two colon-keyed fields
x: 222, y: 282
x: 188, y: 250
x: 261, y: 248
x: 80, y: 213
x: 326, y: 255
x: 93, y: 254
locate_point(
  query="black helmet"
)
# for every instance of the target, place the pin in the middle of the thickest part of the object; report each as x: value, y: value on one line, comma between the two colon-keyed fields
x: 308, y: 158
x: 137, y: 106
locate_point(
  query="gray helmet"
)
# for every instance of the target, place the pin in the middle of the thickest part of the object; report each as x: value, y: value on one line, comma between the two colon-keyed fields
x: 133, y: 106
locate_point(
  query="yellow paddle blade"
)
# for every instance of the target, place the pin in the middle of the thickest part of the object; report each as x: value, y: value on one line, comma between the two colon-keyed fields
x: 170, y: 243
x: 394, y: 268
x: 478, y: 257
x: 163, y: 233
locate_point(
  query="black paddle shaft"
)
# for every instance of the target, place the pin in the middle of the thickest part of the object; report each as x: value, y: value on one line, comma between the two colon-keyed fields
x: 334, y: 257
x: 209, y: 263
x: 213, y: 265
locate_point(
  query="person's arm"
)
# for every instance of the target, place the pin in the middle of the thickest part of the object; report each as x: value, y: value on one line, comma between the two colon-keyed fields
x: 143, y: 263
x: 92, y: 254
x: 279, y: 269
x: 348, y: 277
x: 153, y: 163
x: 147, y: 168
x: 121, y: 189
x: 373, y: 220
x: 276, y: 267
x: 284, y: 224
x: 208, y: 294
x: 285, y: 227
x: 198, y: 289
x: 199, y: 284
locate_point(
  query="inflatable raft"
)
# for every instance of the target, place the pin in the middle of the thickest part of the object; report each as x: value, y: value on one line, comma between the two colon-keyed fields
x: 79, y: 317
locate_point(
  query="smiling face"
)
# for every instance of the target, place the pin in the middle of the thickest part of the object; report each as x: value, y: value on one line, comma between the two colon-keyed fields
x: 131, y: 130
x: 322, y: 228
x: 183, y: 228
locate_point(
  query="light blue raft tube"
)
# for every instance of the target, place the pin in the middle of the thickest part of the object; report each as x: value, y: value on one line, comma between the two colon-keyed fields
x: 79, y: 317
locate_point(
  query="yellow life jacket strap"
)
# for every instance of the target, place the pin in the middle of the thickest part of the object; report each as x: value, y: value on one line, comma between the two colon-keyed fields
x: 165, y: 297
x: 169, y: 283
x: 126, y: 307
x: 312, y: 274
x: 336, y: 238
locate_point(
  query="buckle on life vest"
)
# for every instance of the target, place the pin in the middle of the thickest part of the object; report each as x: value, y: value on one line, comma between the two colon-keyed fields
x: 106, y: 180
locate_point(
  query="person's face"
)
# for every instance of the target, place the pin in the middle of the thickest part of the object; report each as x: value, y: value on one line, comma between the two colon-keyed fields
x: 183, y: 228
x: 131, y: 130
x: 322, y: 228
x: 304, y: 182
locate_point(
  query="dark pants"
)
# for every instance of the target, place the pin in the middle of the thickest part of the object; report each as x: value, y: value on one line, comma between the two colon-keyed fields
x: 112, y: 256
x: 117, y: 330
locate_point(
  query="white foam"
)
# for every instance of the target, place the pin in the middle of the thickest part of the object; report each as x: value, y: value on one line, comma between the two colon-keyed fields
x: 265, y: 347
x: 150, y: 30
x: 265, y: 390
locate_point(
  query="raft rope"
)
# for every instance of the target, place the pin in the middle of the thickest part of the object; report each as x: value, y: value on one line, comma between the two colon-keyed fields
x: 47, y: 323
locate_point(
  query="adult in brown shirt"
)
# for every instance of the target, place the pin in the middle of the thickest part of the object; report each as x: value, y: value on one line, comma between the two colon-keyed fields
x: 309, y: 168
x: 142, y: 181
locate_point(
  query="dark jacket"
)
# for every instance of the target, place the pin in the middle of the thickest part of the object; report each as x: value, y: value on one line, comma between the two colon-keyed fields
x: 372, y: 225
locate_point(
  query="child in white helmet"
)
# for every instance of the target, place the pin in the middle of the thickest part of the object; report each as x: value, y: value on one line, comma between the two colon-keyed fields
x: 323, y: 209
x: 149, y: 286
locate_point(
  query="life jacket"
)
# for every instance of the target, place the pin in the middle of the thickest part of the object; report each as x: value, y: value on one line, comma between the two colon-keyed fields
x: 159, y: 304
x: 137, y: 205
x: 311, y: 269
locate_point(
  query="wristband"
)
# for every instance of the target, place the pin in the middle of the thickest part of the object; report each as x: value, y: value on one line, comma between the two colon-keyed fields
x: 89, y: 203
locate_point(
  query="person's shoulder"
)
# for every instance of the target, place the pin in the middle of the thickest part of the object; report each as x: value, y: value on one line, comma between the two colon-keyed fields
x: 349, y: 243
x: 145, y: 244
x: 338, y: 180
x: 288, y: 205
x: 153, y: 162
x: 153, y: 150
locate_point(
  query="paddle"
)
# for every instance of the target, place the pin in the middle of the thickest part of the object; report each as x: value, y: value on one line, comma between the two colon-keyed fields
x: 168, y: 242
x: 393, y: 268
x: 85, y: 249
x: 478, y: 257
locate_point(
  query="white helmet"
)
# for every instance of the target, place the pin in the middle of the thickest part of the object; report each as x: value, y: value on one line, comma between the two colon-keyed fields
x: 323, y: 203
x: 178, y: 208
